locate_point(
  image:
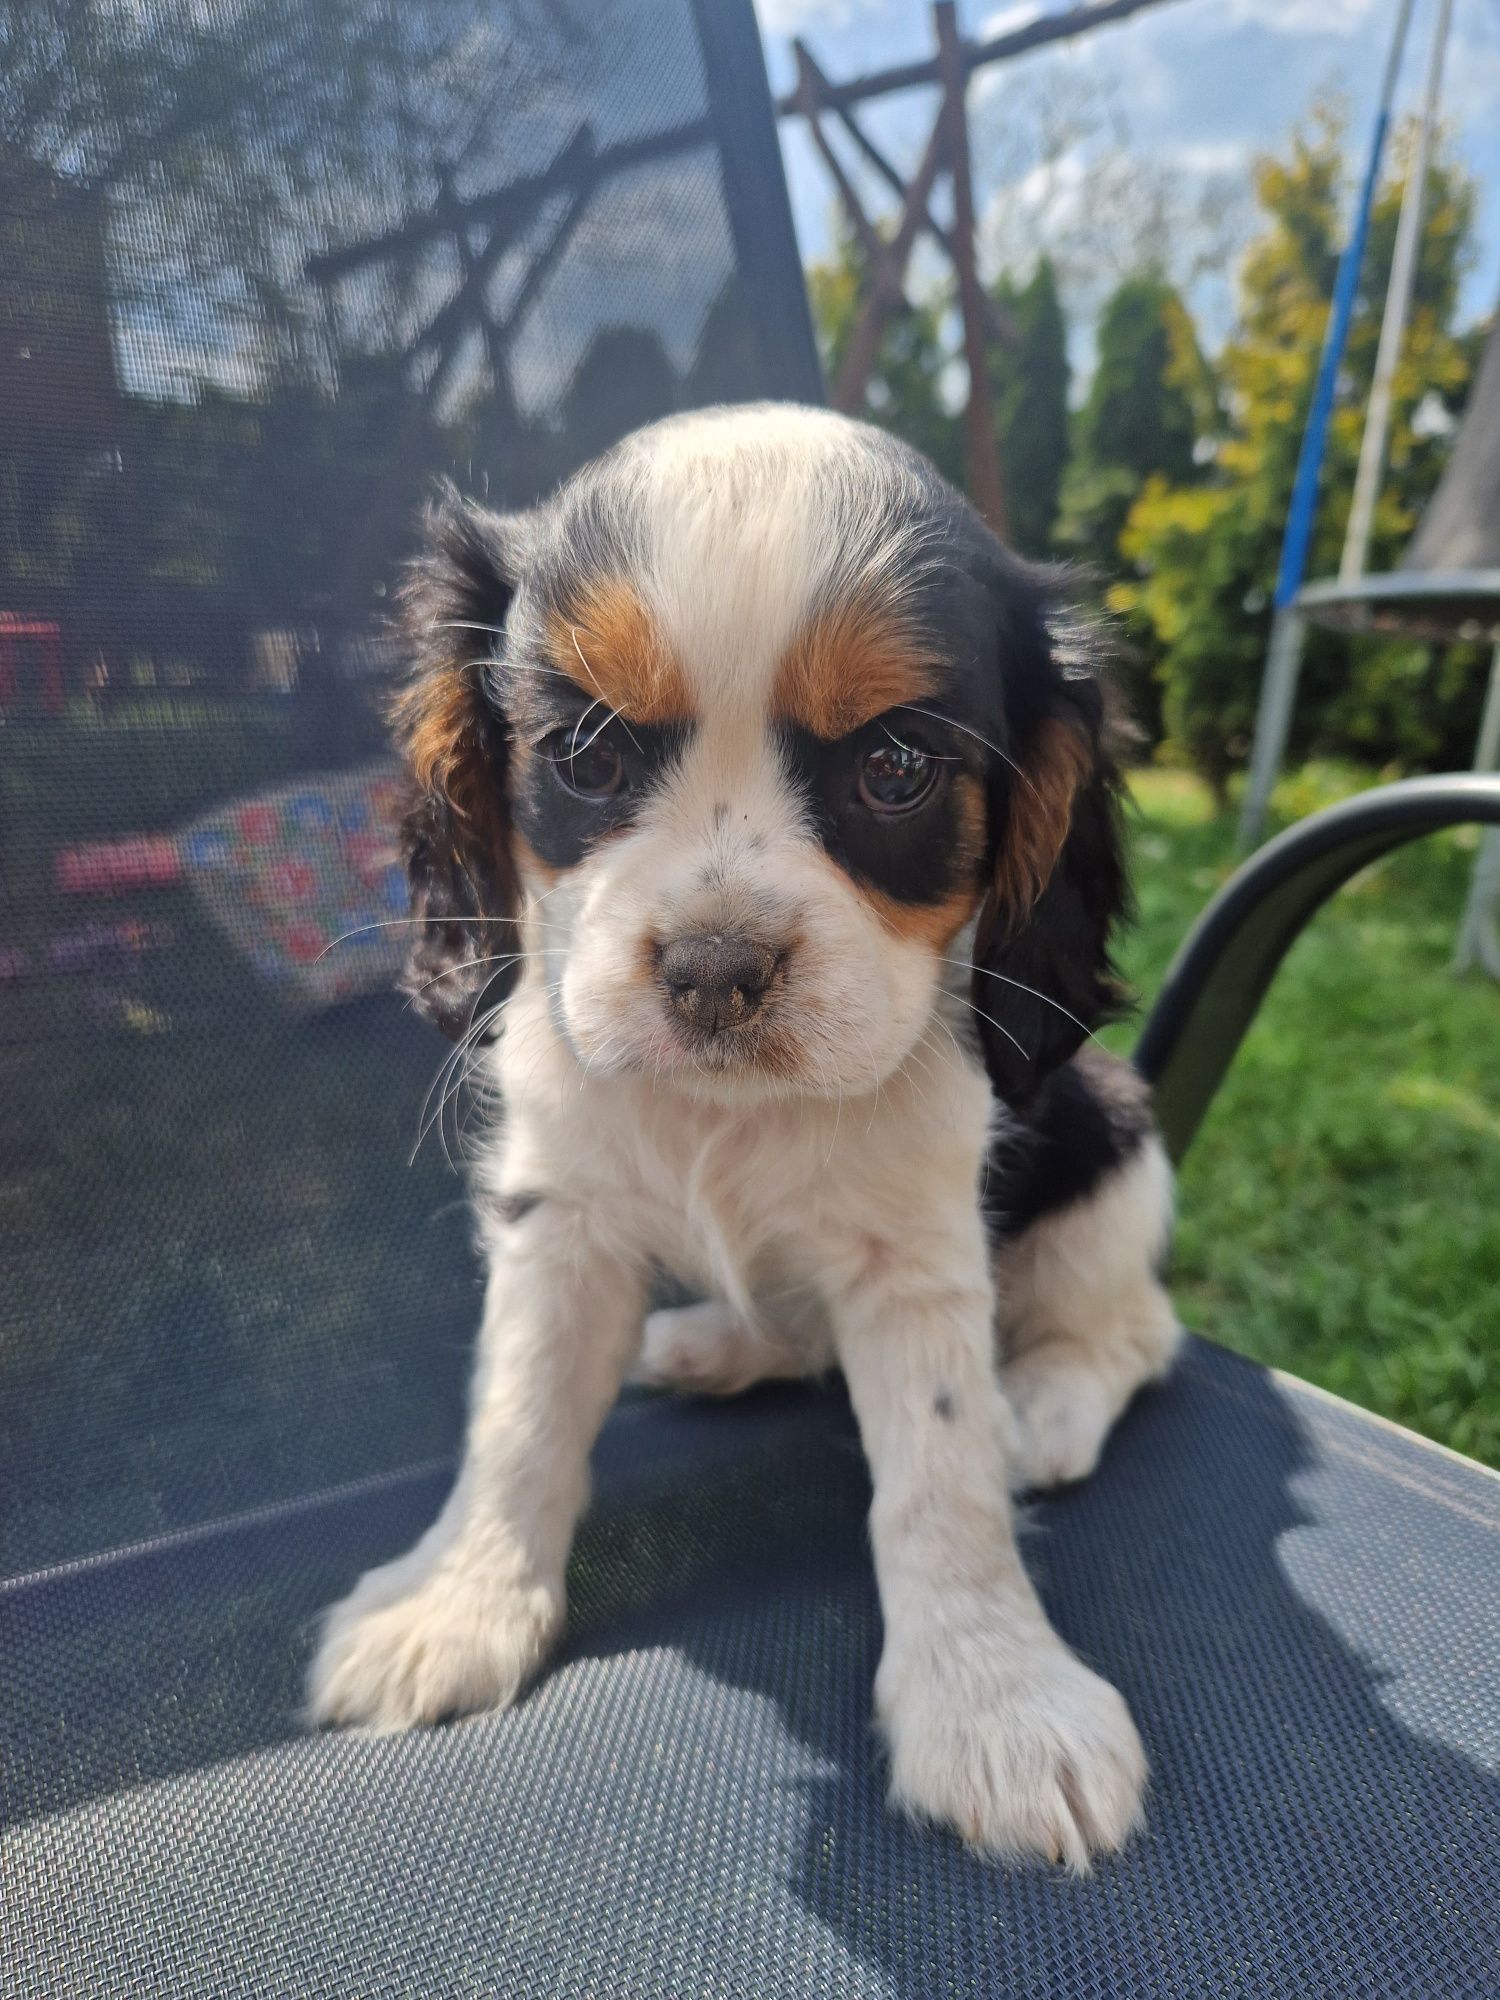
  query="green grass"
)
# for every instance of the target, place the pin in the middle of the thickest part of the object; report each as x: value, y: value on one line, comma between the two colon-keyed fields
x: 1340, y: 1209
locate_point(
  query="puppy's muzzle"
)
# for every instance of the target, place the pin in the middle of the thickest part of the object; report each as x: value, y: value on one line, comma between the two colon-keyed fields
x: 716, y: 984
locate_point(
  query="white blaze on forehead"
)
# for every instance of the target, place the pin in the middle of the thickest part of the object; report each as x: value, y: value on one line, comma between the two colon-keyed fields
x: 751, y: 519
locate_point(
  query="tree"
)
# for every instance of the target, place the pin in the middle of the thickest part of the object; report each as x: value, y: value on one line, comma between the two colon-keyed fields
x: 1055, y: 156
x: 1029, y: 383
x: 918, y: 350
x: 1151, y: 400
x: 1145, y: 402
x: 1205, y: 556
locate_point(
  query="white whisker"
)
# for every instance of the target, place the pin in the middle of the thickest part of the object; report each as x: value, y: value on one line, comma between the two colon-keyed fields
x: 1021, y: 987
x: 933, y: 715
x: 467, y: 965
x: 398, y: 923
x: 912, y: 750
x: 573, y: 634
x: 993, y: 1023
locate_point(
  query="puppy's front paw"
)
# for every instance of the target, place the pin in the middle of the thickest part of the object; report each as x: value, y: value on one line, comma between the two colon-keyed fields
x: 404, y: 1649
x: 1034, y: 1757
x: 1063, y: 1413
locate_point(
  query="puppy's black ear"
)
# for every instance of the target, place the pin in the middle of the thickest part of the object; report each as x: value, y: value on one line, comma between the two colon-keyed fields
x: 1042, y: 951
x: 456, y: 836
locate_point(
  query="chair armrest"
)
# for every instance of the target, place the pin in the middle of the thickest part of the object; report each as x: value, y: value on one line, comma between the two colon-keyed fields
x: 1229, y: 958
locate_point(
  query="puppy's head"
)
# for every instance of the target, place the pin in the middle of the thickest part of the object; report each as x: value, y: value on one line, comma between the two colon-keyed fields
x: 752, y: 742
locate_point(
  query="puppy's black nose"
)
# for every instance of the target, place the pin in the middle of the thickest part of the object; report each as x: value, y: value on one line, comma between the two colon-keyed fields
x: 716, y: 982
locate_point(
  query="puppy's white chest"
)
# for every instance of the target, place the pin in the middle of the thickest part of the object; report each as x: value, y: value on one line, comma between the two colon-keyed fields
x: 738, y: 1195
x: 720, y: 1195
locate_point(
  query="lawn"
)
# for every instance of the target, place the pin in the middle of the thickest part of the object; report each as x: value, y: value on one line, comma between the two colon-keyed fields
x: 1340, y: 1210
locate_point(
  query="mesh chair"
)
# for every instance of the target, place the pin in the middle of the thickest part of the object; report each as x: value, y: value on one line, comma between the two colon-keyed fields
x: 264, y: 271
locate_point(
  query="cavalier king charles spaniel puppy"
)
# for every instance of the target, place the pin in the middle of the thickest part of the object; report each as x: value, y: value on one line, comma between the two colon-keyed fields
x: 765, y: 851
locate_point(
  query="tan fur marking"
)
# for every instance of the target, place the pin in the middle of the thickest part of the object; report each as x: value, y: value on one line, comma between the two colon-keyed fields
x: 937, y: 924
x: 848, y: 666
x: 1041, y: 811
x: 610, y: 645
x: 933, y: 924
x: 529, y: 862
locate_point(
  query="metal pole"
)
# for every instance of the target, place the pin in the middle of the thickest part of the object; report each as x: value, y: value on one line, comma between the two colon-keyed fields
x: 1278, y: 687
x: 1393, y: 325
x: 1273, y: 718
x: 1479, y: 934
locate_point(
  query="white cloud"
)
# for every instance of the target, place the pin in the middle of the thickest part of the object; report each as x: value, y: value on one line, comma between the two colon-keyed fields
x: 1189, y: 93
x: 1340, y: 18
x: 1211, y: 156
x: 1471, y: 77
x: 1007, y: 18
x: 800, y: 17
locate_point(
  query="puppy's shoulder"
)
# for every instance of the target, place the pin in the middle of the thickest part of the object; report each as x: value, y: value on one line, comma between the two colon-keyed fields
x: 1092, y: 1117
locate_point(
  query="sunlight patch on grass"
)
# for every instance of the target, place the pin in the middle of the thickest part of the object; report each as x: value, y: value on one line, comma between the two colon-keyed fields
x: 1427, y: 1093
x: 1176, y: 798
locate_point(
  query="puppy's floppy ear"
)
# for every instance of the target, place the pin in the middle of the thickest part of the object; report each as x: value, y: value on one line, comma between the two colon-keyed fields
x: 456, y: 836
x: 1057, y: 887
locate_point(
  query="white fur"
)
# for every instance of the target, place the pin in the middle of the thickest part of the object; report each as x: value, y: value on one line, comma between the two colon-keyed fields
x: 1085, y: 1320
x: 830, y: 1207
x: 1083, y: 1323
x: 750, y: 518
x: 856, y: 998
x: 711, y: 1349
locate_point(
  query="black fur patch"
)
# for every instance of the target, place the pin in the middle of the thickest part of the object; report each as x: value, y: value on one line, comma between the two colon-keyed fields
x: 909, y: 856
x: 461, y: 960
x: 1089, y: 1118
x: 560, y: 826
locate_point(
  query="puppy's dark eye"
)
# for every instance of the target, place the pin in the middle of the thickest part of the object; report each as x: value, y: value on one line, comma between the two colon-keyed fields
x: 896, y: 777
x: 590, y: 768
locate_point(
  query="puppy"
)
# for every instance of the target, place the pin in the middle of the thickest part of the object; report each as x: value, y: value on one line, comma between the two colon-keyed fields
x: 764, y: 851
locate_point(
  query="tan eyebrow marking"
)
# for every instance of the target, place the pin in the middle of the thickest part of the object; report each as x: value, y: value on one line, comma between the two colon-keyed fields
x: 608, y: 644
x: 847, y: 666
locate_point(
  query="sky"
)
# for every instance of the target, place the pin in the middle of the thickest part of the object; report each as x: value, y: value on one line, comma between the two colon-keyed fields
x: 1187, y: 92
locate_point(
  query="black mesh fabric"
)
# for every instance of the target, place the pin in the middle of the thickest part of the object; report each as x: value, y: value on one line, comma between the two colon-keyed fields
x: 265, y: 270
x: 1301, y: 1604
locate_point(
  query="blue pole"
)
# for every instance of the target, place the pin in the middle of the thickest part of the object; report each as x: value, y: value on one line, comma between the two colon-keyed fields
x: 1297, y: 537
x: 1278, y: 682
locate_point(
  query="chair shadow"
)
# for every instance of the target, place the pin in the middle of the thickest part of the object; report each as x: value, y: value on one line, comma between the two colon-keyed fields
x: 1300, y: 1836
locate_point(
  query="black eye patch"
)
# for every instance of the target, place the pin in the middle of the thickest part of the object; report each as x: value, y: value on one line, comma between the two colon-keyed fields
x: 557, y: 803
x: 906, y: 838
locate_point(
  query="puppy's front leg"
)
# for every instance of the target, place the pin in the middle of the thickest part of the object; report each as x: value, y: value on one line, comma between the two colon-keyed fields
x: 993, y: 1726
x: 464, y: 1618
